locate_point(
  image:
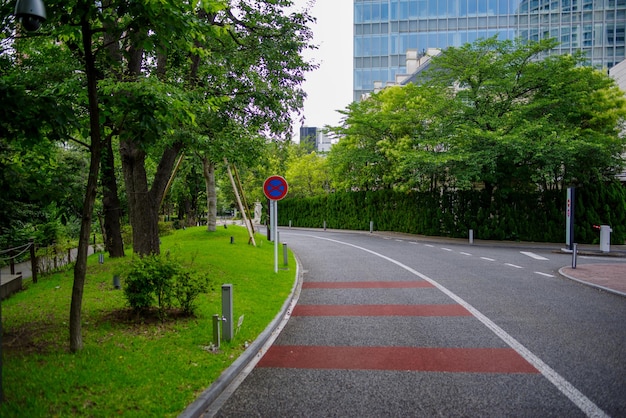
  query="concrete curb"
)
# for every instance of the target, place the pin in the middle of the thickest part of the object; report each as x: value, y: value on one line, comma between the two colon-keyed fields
x: 597, y: 286
x: 250, y: 356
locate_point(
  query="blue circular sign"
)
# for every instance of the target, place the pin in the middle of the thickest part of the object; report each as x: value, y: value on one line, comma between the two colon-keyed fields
x: 275, y: 187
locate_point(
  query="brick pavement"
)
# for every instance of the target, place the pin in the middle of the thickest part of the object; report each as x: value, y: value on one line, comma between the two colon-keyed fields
x: 609, y: 276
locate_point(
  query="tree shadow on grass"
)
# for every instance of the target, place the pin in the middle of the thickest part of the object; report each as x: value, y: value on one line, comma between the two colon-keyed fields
x: 42, y: 337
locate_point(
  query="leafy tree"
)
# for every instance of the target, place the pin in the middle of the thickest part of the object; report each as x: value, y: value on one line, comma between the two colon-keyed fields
x: 357, y: 161
x: 492, y: 114
x: 307, y: 175
x: 521, y: 122
x: 256, y: 72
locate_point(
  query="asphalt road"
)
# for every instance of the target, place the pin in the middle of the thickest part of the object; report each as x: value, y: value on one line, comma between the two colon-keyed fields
x: 390, y: 326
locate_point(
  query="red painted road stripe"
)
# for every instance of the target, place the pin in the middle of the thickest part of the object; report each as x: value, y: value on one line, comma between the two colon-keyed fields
x: 366, y: 285
x: 461, y: 360
x: 380, y: 310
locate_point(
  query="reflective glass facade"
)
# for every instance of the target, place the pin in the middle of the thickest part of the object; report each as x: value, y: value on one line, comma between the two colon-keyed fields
x: 385, y: 29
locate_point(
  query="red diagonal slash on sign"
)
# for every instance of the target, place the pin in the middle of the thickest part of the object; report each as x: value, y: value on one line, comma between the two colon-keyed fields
x: 275, y: 188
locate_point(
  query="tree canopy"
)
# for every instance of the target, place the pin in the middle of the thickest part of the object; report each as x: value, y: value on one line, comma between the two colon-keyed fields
x: 492, y: 114
x: 153, y: 79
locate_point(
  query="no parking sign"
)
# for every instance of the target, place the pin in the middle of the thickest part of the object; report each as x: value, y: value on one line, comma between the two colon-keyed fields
x: 275, y: 188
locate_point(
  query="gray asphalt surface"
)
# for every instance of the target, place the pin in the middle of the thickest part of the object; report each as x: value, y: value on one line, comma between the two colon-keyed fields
x: 573, y: 335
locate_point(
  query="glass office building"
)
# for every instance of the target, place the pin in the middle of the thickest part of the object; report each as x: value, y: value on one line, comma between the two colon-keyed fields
x: 385, y: 29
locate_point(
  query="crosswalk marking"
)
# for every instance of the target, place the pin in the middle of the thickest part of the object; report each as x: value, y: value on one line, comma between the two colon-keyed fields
x: 533, y: 255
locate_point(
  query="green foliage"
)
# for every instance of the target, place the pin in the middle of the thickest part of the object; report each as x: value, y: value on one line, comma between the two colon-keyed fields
x: 158, y: 280
x: 499, y: 215
x: 492, y: 114
x: 166, y: 363
x: 127, y: 234
x: 307, y: 175
x: 165, y: 228
x: 186, y: 289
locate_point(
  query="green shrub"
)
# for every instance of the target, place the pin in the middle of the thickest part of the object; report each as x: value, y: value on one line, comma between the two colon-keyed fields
x: 158, y: 281
x: 187, y: 287
x: 127, y: 234
x: 166, y: 228
x: 492, y: 214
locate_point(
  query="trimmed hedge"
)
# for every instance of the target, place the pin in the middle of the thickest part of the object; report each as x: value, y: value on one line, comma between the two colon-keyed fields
x: 509, y: 215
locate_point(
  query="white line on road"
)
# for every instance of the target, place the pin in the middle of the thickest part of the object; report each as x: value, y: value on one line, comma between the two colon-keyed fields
x: 446, y: 249
x: 565, y: 387
x: 429, y: 245
x: 544, y: 274
x: 533, y: 255
x: 487, y: 258
x: 462, y: 253
x: 513, y: 265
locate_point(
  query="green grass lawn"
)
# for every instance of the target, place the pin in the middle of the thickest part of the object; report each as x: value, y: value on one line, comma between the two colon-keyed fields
x: 132, y: 366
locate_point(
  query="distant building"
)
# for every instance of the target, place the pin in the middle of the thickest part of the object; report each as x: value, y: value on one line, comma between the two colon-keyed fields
x: 384, y: 30
x: 416, y: 63
x: 308, y: 135
x: 319, y: 140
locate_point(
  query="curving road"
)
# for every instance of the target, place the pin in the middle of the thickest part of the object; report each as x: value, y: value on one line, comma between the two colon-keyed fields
x: 390, y: 326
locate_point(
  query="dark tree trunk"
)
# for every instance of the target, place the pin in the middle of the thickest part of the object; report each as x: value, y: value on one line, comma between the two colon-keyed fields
x: 112, y: 230
x: 80, y: 268
x: 111, y: 203
x: 208, y: 171
x: 144, y: 203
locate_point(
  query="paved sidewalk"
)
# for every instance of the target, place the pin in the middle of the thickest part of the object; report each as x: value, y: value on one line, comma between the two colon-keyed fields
x: 609, y: 276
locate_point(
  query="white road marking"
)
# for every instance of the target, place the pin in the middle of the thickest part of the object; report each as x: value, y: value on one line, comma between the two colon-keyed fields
x: 399, y: 240
x: 412, y: 242
x: 446, y: 249
x: 513, y: 265
x: 544, y: 274
x: 462, y: 253
x: 533, y: 255
x: 429, y: 245
x: 565, y: 387
x: 487, y: 258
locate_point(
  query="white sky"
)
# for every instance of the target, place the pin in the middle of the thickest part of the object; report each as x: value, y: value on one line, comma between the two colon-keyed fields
x: 329, y: 88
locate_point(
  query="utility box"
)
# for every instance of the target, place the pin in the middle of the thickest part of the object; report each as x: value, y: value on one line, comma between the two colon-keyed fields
x: 605, y: 238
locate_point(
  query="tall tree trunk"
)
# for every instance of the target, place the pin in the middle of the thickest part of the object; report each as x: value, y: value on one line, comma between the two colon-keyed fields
x: 143, y: 203
x: 142, y: 209
x: 112, y: 230
x: 111, y: 203
x: 80, y: 268
x: 208, y: 171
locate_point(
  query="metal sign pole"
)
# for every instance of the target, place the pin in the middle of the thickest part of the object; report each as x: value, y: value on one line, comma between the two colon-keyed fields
x: 569, y: 217
x: 275, y: 188
x: 275, y: 233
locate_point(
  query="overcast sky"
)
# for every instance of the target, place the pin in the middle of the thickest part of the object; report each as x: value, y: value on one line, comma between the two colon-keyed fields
x: 329, y: 88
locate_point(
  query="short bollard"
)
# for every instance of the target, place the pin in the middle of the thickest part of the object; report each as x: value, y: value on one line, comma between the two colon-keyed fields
x: 216, y: 330
x: 285, y: 253
x: 101, y: 258
x: 574, y: 254
x: 116, y: 282
x: 471, y: 236
x: 227, y: 311
x: 289, y: 224
x: 232, y: 240
x: 371, y: 226
x: 324, y: 225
